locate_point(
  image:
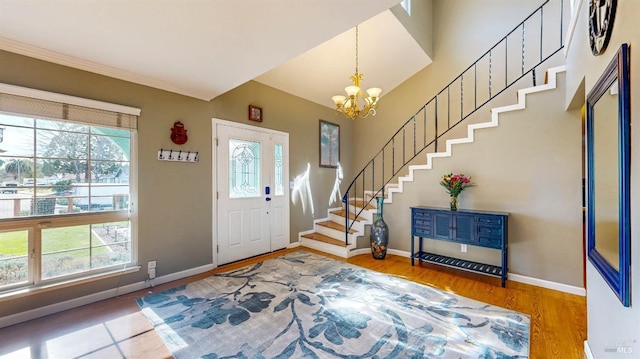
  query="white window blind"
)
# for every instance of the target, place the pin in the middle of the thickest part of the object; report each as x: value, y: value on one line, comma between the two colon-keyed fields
x: 43, y: 104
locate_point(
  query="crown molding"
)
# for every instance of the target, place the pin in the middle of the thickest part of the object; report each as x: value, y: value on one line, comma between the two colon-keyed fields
x: 80, y: 64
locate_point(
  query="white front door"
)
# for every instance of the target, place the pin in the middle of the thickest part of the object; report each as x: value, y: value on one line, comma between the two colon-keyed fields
x: 252, y: 202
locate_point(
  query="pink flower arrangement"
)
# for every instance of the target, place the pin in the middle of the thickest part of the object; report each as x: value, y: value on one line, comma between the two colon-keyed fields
x: 454, y: 184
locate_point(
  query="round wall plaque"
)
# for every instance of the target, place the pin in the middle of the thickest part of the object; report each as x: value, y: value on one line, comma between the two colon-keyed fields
x: 601, y: 16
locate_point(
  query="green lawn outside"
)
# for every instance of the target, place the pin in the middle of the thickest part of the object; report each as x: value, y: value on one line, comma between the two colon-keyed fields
x: 53, y: 240
x: 65, y: 251
x: 13, y: 243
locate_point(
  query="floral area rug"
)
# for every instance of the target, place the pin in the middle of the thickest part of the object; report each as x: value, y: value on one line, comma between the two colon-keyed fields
x: 306, y: 305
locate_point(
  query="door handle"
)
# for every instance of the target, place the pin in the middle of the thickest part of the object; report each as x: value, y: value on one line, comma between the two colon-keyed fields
x: 268, y: 199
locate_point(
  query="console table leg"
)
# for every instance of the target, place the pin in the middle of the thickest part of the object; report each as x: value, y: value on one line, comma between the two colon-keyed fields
x: 412, y: 252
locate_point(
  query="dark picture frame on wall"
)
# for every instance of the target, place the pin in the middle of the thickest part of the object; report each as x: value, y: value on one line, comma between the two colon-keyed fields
x: 329, y: 144
x: 255, y: 113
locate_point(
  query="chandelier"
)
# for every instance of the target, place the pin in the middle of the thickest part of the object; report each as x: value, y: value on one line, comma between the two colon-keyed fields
x: 350, y: 105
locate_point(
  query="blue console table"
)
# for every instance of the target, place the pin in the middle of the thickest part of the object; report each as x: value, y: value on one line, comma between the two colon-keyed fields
x: 476, y: 228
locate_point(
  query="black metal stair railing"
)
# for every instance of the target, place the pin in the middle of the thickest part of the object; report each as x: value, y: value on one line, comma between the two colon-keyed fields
x: 528, y: 45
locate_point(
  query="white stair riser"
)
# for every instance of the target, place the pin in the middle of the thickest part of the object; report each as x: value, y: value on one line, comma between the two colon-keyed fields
x: 357, y: 226
x: 333, y: 233
x: 339, y: 251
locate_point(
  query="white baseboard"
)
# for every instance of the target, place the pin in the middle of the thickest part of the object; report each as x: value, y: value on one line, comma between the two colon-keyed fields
x: 294, y: 244
x: 548, y: 284
x: 396, y: 252
x: 337, y: 251
x: 359, y: 251
x: 96, y: 297
x: 587, y: 350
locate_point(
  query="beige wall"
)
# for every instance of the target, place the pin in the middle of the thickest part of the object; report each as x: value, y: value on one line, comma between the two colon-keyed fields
x: 174, y: 203
x: 462, y: 31
x: 419, y: 24
x: 609, y: 323
x: 531, y: 166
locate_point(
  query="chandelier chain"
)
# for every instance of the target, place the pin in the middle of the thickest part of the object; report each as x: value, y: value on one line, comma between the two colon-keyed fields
x: 356, y: 49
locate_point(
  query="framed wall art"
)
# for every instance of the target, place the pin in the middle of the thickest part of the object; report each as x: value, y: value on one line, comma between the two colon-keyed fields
x: 329, y: 144
x: 255, y: 113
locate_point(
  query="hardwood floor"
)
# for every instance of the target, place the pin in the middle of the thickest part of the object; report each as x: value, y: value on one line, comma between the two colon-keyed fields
x: 116, y: 328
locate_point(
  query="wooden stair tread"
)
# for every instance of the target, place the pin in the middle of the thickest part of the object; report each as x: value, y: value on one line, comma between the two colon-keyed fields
x: 360, y: 203
x: 334, y: 225
x: 352, y: 216
x: 326, y: 239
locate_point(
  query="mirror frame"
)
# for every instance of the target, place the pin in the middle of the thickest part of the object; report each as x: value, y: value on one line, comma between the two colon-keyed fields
x: 618, y: 280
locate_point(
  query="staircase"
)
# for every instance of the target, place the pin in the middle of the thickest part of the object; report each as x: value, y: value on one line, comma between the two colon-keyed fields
x: 434, y: 123
x: 328, y: 234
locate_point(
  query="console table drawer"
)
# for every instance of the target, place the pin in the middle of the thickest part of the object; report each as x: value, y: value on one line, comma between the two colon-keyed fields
x: 418, y: 214
x: 490, y: 231
x: 422, y: 231
x: 490, y: 221
x: 422, y: 222
x: 490, y: 242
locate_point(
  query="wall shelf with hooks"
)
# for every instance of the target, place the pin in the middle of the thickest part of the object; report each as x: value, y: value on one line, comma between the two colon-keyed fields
x: 177, y: 155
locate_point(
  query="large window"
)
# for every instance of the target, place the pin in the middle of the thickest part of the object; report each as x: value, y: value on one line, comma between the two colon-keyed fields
x: 66, y: 187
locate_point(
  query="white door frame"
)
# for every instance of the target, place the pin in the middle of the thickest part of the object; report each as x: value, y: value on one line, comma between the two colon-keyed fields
x: 214, y: 188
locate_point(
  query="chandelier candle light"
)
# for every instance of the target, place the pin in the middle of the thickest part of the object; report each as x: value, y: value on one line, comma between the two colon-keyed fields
x: 454, y: 184
x: 349, y: 106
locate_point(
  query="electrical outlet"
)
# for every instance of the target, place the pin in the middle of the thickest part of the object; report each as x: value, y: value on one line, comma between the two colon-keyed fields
x: 151, y: 269
x: 463, y: 248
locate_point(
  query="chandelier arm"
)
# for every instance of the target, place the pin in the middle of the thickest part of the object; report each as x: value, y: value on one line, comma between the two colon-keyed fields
x: 350, y: 106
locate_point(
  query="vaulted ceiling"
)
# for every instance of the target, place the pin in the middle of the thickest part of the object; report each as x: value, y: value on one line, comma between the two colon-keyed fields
x: 204, y: 48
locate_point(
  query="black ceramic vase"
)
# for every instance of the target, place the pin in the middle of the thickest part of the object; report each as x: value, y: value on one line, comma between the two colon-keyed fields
x: 379, y: 236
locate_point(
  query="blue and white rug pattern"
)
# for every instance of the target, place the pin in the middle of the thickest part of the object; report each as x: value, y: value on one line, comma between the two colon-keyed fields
x: 306, y: 305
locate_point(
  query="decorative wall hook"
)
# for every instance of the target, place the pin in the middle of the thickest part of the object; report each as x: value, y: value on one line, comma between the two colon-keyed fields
x: 178, y: 156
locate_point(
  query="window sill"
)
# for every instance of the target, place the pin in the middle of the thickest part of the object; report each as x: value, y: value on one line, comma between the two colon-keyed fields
x: 24, y: 292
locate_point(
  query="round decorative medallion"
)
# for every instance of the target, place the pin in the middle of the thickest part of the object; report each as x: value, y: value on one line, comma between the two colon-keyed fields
x: 601, y: 16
